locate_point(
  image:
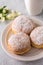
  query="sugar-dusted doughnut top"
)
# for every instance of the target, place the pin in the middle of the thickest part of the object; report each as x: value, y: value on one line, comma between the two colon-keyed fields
x: 23, y: 23
x: 19, y: 41
x: 37, y: 35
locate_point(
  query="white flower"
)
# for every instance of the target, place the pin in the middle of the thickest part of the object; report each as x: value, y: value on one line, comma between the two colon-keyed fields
x: 0, y: 15
x: 4, y: 11
x: 10, y: 16
x: 2, y: 19
x: 6, y: 8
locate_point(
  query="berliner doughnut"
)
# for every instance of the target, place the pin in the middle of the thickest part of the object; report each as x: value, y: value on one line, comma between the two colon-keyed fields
x: 22, y: 24
x: 37, y: 37
x: 19, y: 43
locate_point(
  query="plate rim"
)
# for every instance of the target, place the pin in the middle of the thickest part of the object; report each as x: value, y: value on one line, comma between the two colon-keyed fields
x: 16, y: 57
x: 19, y: 58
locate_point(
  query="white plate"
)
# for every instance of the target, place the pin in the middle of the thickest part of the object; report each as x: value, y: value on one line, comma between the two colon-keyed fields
x: 34, y: 54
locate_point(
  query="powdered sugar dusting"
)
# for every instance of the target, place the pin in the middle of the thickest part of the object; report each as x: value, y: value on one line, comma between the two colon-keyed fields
x: 23, y: 23
x: 19, y: 41
x: 37, y: 35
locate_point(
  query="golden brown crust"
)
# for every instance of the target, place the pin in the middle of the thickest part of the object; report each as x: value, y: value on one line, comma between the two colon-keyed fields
x: 20, y: 52
x: 15, y: 32
x: 37, y: 46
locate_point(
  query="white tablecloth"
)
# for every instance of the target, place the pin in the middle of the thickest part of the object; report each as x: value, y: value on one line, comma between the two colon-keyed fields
x: 4, y: 58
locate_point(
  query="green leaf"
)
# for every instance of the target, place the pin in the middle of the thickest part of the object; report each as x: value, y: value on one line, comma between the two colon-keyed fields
x: 4, y: 15
x: 4, y: 7
x: 1, y: 9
